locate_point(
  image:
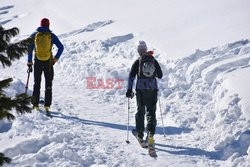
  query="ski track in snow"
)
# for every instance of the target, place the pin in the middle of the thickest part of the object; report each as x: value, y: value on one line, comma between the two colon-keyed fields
x: 88, y: 127
x: 88, y: 28
x: 5, y: 10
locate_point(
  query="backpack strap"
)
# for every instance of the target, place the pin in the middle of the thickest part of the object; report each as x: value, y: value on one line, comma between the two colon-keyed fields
x: 139, y: 67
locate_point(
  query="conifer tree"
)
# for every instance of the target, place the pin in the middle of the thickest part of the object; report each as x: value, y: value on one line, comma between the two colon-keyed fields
x: 8, y: 53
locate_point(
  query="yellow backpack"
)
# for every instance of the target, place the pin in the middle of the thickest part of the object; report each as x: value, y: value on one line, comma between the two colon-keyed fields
x: 43, y: 46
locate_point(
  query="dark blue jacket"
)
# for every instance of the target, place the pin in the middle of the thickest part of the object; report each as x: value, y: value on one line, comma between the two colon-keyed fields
x: 143, y: 83
x: 55, y: 41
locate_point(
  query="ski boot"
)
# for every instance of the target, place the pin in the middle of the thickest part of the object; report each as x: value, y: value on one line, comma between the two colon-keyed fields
x: 142, y: 142
x: 151, y: 145
x: 151, y: 141
x: 36, y: 107
x: 46, y: 108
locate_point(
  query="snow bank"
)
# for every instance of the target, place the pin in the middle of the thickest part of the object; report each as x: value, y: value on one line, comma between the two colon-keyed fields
x: 16, y: 87
x: 216, y: 80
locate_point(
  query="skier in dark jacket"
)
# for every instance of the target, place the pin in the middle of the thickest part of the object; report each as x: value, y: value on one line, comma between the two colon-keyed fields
x: 146, y: 92
x: 42, y: 42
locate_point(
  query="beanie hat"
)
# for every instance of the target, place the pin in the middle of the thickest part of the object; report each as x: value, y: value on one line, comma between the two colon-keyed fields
x: 142, y: 47
x: 45, y: 22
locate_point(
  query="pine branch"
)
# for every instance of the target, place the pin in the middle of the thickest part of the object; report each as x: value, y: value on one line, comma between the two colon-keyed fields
x: 3, y: 45
x: 20, y: 103
x: 26, y: 42
x: 6, y: 114
x: 5, y: 83
x: 4, y: 159
x: 13, y: 51
x: 4, y: 60
x: 8, y: 34
x: 6, y: 104
x: 16, y: 51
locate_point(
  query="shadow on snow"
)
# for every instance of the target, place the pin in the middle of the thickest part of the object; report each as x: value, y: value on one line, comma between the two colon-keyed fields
x: 239, y: 146
x: 168, y: 130
x: 180, y: 150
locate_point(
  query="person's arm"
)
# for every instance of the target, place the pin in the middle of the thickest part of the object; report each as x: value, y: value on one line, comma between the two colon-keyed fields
x: 158, y: 70
x: 31, y: 48
x: 132, y: 74
x: 59, y: 45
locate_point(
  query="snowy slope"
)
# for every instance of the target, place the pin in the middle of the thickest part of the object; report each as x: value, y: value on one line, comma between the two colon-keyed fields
x: 175, y: 27
x: 204, y: 96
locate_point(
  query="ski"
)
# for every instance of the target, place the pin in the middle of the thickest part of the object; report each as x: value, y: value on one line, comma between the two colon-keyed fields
x: 143, y: 144
x: 151, y: 146
x: 48, y: 114
x: 152, y: 152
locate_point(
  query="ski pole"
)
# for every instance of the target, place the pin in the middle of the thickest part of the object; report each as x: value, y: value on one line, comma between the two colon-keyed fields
x: 163, y: 127
x: 27, y: 83
x: 127, y: 141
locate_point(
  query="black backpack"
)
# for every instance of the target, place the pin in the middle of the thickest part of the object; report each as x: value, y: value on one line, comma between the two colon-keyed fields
x: 147, y: 66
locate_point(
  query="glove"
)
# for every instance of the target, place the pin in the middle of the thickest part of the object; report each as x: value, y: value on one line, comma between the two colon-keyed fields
x: 53, y: 61
x: 129, y: 93
x: 30, y: 64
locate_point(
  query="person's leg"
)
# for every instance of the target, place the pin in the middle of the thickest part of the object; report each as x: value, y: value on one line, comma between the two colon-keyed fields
x: 139, y: 116
x: 37, y: 82
x: 49, y: 75
x: 150, y: 102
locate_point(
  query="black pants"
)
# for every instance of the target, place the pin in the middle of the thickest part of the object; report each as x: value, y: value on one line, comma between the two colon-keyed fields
x: 146, y: 103
x: 47, y: 68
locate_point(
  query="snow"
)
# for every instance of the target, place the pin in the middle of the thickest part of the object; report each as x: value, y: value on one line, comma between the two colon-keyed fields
x: 232, y: 79
x: 176, y: 28
x: 204, y: 95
